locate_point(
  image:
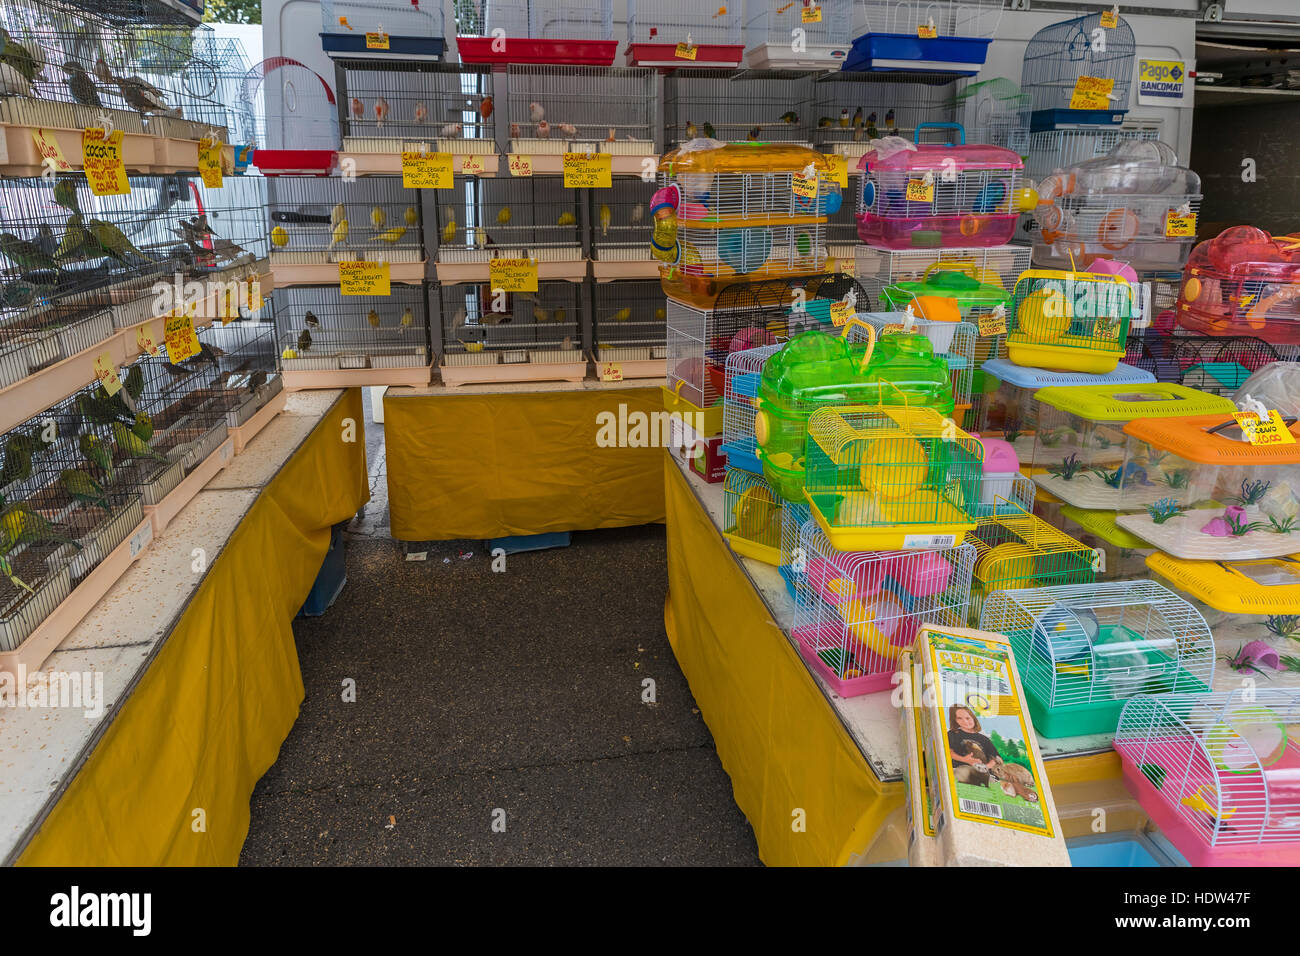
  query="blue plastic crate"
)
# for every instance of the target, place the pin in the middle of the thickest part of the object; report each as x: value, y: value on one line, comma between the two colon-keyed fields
x: 895, y: 52
x: 331, y: 578
x: 1041, y: 120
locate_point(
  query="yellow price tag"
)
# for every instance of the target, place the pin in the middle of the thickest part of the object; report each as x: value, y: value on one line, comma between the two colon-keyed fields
x: 1269, y: 431
x: 47, y: 144
x: 839, y: 169
x: 1091, y: 93
x: 229, y: 309
x: 804, y: 188
x: 926, y: 32
x: 684, y: 52
x: 611, y: 372
x: 358, y: 277
x: 180, y: 338
x: 1109, y: 19
x: 427, y: 170
x: 513, y: 275
x: 255, y: 302
x: 474, y: 165
x: 106, y: 372
x: 103, y: 162
x: 520, y: 165
x: 377, y: 41
x: 146, y: 339
x: 841, y: 312
x: 811, y: 14
x: 210, y: 162
x: 918, y: 190
x: 1180, y: 227
x: 588, y: 170
x: 993, y: 323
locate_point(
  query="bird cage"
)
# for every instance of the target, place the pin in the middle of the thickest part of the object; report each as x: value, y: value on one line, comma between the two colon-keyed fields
x: 1079, y: 71
x: 629, y: 327
x: 1083, y: 650
x: 739, y: 403
x: 516, y: 337
x: 753, y: 106
x: 1123, y: 554
x: 1199, y: 489
x: 934, y: 196
x: 804, y: 35
x: 751, y: 515
x: 222, y: 229
x: 1019, y: 550
x: 320, y: 330
x: 527, y: 217
x: 1080, y: 435
x: 667, y: 34
x: 855, y: 612
x: 890, y: 477
x: 1127, y: 205
x: 1159, y: 294
x: 317, y: 223
x: 1218, y: 365
x: 1002, y: 491
x: 793, y: 558
x: 64, y: 508
x: 994, y: 112
x: 247, y: 378
x: 850, y: 110
x: 1216, y: 772
x: 581, y: 109
x: 1010, y: 410
x: 746, y: 315
x: 934, y: 36
x: 409, y: 29
x: 1072, y: 321
x: 1243, y: 282
x: 622, y: 232
x: 952, y: 342
x: 435, y: 108
x: 578, y: 32
x: 294, y: 116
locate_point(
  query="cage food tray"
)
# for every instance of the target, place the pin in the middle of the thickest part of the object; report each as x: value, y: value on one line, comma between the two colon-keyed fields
x: 832, y: 635
x: 663, y: 56
x: 454, y: 375
x: 523, y: 50
x: 752, y: 549
x: 413, y: 376
x: 353, y: 46
x: 780, y: 56
x: 1181, y: 537
x: 21, y: 157
x: 548, y: 157
x: 604, y: 270
x: 637, y: 368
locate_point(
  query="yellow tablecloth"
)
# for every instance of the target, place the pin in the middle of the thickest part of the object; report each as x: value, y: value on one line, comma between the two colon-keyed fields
x: 210, y: 712
x: 489, y: 465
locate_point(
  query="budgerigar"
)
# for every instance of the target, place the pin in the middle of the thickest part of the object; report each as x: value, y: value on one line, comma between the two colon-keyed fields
x: 143, y: 426
x: 7, y: 570
x: 97, y: 453
x: 129, y: 442
x: 81, y: 487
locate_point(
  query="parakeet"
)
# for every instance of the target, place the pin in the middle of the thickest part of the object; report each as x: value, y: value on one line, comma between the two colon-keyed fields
x: 709, y: 131
x: 134, y: 382
x: 112, y: 241
x: 309, y: 317
x: 485, y: 107
x: 25, y: 61
x: 378, y: 217
x: 889, y: 119
x: 566, y: 219
x: 421, y: 112
x: 128, y: 442
x: 449, y: 232
x: 6, y: 568
x: 691, y: 131
x: 790, y: 117
x: 535, y: 112
x: 97, y: 453
x: 279, y: 237
x: 304, y: 341
x: 143, y: 426
x: 844, y: 118
x: 410, y: 217
x: 81, y: 85
x: 503, y: 215
x: 340, y: 233
x: 623, y: 314
x: 25, y: 255
x: 13, y: 83
x: 605, y: 216
x: 81, y: 487
x: 391, y: 235
x: 18, y: 460
x: 857, y: 118
x: 373, y: 318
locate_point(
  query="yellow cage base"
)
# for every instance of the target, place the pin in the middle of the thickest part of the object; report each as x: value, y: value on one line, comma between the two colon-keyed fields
x: 947, y: 530
x: 752, y: 549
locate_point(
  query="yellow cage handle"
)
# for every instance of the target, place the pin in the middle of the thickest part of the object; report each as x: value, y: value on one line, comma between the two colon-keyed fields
x: 871, y: 337
x: 969, y: 268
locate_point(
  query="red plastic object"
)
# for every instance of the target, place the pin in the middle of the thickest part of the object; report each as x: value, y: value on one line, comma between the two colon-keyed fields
x: 529, y: 50
x: 294, y: 162
x: 1243, y: 282
x: 664, y: 55
x: 708, y: 460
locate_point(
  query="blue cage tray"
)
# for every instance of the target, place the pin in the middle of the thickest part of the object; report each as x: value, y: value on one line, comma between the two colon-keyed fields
x: 348, y: 46
x: 1041, y: 120
x: 899, y: 52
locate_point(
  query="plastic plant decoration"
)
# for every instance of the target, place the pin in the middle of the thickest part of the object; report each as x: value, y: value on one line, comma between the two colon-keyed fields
x: 1164, y: 509
x: 1068, y: 468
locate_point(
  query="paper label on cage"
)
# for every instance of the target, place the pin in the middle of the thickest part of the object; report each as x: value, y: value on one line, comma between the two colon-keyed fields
x: 611, y: 372
x: 841, y: 312
x: 804, y: 188
x: 992, y: 323
x: 473, y: 165
x: 210, y: 162
x: 377, y: 41
x: 47, y: 144
x: 810, y: 14
x: 180, y: 338
x: 1110, y: 19
x: 588, y: 170
x: 520, y: 165
x: 685, y: 52
x: 914, y: 541
x: 1270, y: 431
x: 357, y: 277
x: 255, y: 301
x: 1180, y: 227
x: 106, y: 372
x: 927, y: 32
x: 839, y: 173
x: 141, y: 539
x: 918, y: 190
x: 1091, y: 93
x: 102, y: 159
x: 513, y: 275
x: 146, y: 338
x: 983, y: 742
x: 427, y: 170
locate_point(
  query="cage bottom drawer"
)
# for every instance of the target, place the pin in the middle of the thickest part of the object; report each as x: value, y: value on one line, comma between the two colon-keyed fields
x: 17, y: 625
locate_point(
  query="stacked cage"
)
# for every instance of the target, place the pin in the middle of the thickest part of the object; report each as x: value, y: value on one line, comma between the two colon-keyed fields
x: 578, y: 32
x: 1070, y: 321
x: 937, y: 36
x: 1083, y: 650
x: 290, y: 115
x: 952, y: 342
x: 622, y: 231
x: 743, y: 377
x: 248, y: 382
x: 1209, y: 363
x: 794, y: 560
x: 851, y: 110
x: 1078, y: 72
x: 752, y: 514
x: 667, y: 34
x: 753, y: 106
x: 513, y: 337
x: 1243, y: 282
x: 1052, y: 150
x: 553, y: 110
x: 823, y: 31
x: 410, y: 29
x: 629, y: 328
x: 993, y: 111
x: 319, y: 330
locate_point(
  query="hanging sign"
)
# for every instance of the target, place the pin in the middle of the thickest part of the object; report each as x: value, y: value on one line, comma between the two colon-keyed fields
x: 103, y: 162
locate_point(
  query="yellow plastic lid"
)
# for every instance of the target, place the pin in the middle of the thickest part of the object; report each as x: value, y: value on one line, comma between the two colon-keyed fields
x: 1268, y: 586
x: 1102, y: 524
x: 743, y: 158
x: 1124, y: 403
x: 1192, y: 438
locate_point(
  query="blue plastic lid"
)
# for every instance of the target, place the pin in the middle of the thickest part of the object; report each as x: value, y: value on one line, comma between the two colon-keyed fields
x: 1005, y: 370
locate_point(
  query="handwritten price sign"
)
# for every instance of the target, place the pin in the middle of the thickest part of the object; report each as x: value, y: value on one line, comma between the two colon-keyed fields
x: 180, y: 338
x: 103, y: 162
x: 473, y: 165
x: 918, y: 190
x: 146, y: 338
x: 106, y: 372
x: 839, y: 169
x: 811, y: 14
x: 993, y: 323
x: 684, y: 52
x: 588, y: 170
x: 611, y: 372
x: 377, y: 41
x: 210, y: 162
x: 1091, y: 93
x: 47, y: 144
x: 357, y: 277
x: 841, y: 312
x: 427, y: 170
x: 520, y: 165
x: 513, y: 275
x: 1180, y: 227
x: 1269, y: 431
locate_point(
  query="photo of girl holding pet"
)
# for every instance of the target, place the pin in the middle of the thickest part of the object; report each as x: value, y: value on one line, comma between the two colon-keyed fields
x: 972, y: 751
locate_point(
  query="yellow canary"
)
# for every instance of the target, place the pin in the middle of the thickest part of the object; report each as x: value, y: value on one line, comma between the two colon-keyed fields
x: 566, y: 219
x: 407, y: 318
x: 373, y: 319
x: 604, y: 219
x: 336, y: 214
x: 449, y: 232
x: 473, y: 346
x: 660, y: 314
x: 279, y: 236
x: 559, y: 315
x: 340, y: 233
x: 623, y: 314
x: 411, y: 216
x: 539, y: 314
x: 378, y: 217
x: 13, y: 524
x: 503, y: 216
x: 391, y: 235
x: 481, y: 233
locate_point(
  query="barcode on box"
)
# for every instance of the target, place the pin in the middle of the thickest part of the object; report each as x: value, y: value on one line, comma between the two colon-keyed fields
x: 929, y: 541
x: 980, y: 807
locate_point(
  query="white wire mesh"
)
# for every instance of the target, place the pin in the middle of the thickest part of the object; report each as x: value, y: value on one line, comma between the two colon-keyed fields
x: 528, y: 326
x: 1059, y: 54
x: 752, y: 252
x: 551, y: 106
x: 629, y: 320
x: 538, y: 19
x: 751, y: 510
x: 1050, y: 150
x: 751, y: 198
x: 997, y: 265
x: 751, y: 105
x: 410, y: 18
x: 673, y: 21
x: 444, y: 109
x: 963, y: 192
x: 744, y: 371
x: 329, y: 220
x: 851, y: 109
x: 772, y: 26
x: 952, y: 18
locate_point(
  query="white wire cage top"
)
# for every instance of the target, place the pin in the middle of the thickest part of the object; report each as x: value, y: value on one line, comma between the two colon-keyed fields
x: 411, y: 18
x: 674, y: 21
x: 288, y: 106
x: 771, y: 22
x: 951, y: 18
x: 538, y: 19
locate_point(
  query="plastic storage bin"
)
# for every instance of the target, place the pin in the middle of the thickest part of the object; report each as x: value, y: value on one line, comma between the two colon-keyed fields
x: 576, y: 32
x: 1122, y: 555
x: 667, y: 34
x: 895, y: 40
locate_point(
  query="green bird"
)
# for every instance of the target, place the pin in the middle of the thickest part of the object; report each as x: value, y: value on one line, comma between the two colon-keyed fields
x: 81, y: 487
x: 98, y: 411
x: 19, y: 524
x: 134, y: 383
x: 709, y: 131
x: 39, y: 444
x: 129, y: 442
x: 98, y: 453
x: 21, y: 292
x: 65, y: 194
x: 77, y: 243
x: 7, y: 570
x: 790, y: 117
x: 19, y: 57
x: 113, y: 241
x: 27, y: 256
x: 143, y: 427
x: 18, y: 460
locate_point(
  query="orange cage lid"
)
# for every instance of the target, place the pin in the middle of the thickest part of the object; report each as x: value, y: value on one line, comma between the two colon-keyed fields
x: 1191, y: 437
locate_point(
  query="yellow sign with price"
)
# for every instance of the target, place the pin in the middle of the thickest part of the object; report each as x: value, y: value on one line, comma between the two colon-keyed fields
x: 103, y: 162
x: 513, y: 275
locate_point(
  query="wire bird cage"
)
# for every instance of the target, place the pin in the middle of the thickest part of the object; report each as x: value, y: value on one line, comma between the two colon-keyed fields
x: 850, y: 110
x: 629, y: 326
x: 940, y: 195
x: 408, y: 29
x: 767, y: 106
x: 884, y: 478
x: 317, y: 223
x: 247, y: 378
x: 317, y: 328
x: 1243, y: 282
x: 1072, y: 321
x: 798, y: 36
x: 670, y: 33
x: 994, y: 112
x: 581, y: 109
x: 1083, y: 650
x: 1067, y: 60
x: 516, y: 217
x: 293, y: 117
x: 1206, y: 362
x: 64, y: 510
x: 435, y: 107
x: 855, y: 612
x: 890, y: 35
x: 1057, y: 149
x: 622, y: 231
x: 575, y: 32
x: 1217, y: 772
x: 531, y: 336
x: 746, y: 315
x: 751, y: 516
x: 743, y: 377
x: 1018, y: 550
